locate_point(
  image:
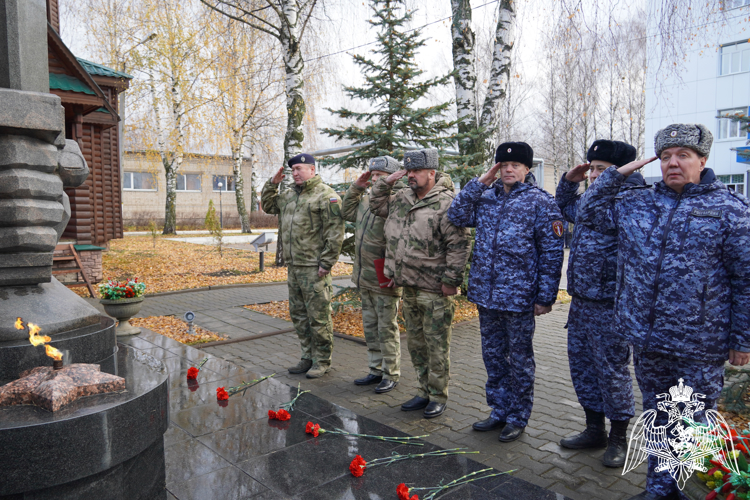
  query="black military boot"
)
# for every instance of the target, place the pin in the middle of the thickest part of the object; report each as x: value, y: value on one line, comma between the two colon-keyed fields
x: 593, y: 436
x: 618, y: 444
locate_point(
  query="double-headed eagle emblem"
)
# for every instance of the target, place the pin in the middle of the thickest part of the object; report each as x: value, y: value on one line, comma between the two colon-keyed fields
x: 681, y: 445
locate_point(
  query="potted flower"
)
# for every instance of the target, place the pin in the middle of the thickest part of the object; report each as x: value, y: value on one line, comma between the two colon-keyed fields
x: 122, y: 300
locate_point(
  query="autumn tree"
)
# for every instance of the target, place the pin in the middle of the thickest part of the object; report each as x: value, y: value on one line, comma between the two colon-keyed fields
x: 174, y: 64
x: 247, y: 90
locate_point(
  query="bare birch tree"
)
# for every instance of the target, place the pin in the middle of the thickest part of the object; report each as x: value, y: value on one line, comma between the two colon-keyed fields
x: 477, y: 121
x: 286, y: 21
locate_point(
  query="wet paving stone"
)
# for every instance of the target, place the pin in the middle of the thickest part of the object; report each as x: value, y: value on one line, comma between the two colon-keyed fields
x: 232, y: 450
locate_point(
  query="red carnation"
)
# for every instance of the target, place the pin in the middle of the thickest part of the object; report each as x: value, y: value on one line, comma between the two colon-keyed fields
x: 282, y: 414
x: 192, y: 373
x: 272, y: 415
x: 402, y: 491
x: 358, y: 466
x: 313, y: 429
x: 221, y: 394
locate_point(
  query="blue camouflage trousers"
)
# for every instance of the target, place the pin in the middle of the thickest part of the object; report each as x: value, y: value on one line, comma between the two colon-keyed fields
x: 599, y: 360
x: 508, y: 356
x: 655, y: 374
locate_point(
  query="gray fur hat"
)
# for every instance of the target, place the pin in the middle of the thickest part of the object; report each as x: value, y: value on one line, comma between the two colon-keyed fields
x: 424, y: 158
x: 684, y: 135
x: 384, y: 164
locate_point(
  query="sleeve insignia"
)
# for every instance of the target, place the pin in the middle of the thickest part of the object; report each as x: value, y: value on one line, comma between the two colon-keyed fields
x: 557, y: 228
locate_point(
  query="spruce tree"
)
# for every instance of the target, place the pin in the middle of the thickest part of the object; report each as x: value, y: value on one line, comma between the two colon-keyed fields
x: 393, y: 87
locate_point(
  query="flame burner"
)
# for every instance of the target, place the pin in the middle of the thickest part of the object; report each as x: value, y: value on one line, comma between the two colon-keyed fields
x: 57, y: 364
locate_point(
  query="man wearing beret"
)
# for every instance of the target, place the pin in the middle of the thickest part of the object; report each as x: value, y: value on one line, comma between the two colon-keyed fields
x: 312, y: 231
x: 598, y: 358
x: 379, y: 301
x: 426, y: 255
x: 515, y: 274
x: 683, y: 277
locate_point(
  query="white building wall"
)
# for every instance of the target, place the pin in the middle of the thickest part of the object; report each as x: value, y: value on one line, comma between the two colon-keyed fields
x: 701, y: 94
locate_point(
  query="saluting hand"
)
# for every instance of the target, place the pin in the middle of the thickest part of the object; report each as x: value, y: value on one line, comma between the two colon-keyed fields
x: 578, y: 173
x: 631, y: 167
x: 737, y: 358
x: 488, y: 178
x: 279, y: 176
x: 362, y: 180
x: 391, y: 179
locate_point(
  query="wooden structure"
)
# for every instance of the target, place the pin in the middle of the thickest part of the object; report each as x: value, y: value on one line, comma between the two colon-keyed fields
x: 89, y: 94
x: 66, y: 253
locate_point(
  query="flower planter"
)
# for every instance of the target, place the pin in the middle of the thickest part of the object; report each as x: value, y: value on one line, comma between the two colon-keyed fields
x: 123, y: 310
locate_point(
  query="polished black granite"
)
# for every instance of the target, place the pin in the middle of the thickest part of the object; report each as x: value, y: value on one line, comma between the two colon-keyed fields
x: 88, y: 344
x: 95, y: 444
x: 233, y: 451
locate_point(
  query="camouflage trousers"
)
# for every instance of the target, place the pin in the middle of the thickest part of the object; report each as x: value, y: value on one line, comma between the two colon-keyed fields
x: 508, y: 354
x: 599, y: 360
x: 383, y: 338
x: 655, y: 374
x: 310, y: 309
x: 429, y: 319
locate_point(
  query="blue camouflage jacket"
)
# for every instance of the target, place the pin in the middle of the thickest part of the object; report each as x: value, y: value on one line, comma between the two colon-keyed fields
x: 683, y: 268
x: 592, y: 263
x: 518, y: 251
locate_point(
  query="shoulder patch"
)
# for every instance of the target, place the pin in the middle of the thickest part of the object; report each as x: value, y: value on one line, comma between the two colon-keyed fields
x: 702, y: 212
x: 333, y: 200
x: 557, y: 228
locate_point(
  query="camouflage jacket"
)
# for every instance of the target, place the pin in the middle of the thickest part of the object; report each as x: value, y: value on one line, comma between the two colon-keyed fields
x: 518, y: 256
x: 592, y: 264
x: 311, y: 226
x: 369, y: 240
x: 424, y: 248
x: 683, y: 267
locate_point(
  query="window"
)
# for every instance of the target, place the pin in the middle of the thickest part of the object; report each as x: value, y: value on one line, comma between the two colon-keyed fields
x: 735, y: 58
x: 735, y: 182
x: 733, y: 4
x: 729, y: 128
x: 138, y: 181
x: 227, y: 182
x: 188, y: 182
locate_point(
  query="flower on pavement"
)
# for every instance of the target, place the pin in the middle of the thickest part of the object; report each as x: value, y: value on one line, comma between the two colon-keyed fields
x: 358, y: 466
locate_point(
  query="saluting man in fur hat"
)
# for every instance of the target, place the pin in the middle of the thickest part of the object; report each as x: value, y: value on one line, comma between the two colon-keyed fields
x: 683, y: 279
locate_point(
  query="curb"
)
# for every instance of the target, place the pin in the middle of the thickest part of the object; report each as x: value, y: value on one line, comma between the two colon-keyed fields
x: 222, y: 287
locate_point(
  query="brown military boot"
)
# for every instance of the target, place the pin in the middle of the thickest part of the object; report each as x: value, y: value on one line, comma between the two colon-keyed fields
x: 301, y: 367
x: 317, y: 371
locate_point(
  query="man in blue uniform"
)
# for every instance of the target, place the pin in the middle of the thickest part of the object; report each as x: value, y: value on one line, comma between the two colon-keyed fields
x: 515, y: 274
x: 683, y: 276
x: 598, y: 358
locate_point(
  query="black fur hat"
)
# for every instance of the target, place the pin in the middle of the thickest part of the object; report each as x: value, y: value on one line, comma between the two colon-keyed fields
x: 515, y: 151
x: 615, y: 152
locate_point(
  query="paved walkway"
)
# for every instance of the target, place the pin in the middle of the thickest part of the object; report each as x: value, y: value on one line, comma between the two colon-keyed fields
x: 536, y: 455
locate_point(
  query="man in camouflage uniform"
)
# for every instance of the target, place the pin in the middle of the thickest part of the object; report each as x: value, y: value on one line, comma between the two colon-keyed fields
x: 425, y: 254
x: 312, y: 234
x: 515, y: 274
x: 683, y: 276
x: 598, y: 357
x: 379, y: 302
